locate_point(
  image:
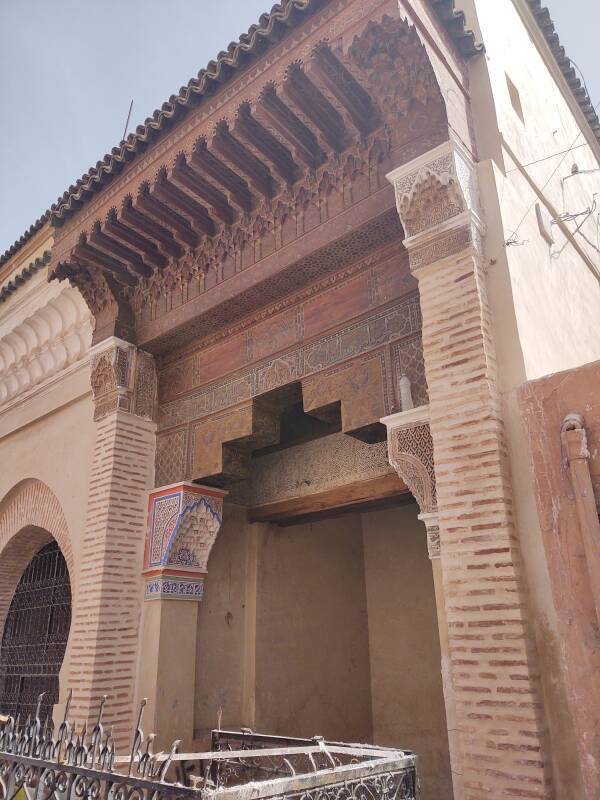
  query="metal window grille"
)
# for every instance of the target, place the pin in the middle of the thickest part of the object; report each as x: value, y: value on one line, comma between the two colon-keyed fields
x: 35, y: 635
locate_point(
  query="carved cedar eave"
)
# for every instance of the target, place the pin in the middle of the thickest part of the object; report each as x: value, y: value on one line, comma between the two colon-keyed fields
x: 320, y: 119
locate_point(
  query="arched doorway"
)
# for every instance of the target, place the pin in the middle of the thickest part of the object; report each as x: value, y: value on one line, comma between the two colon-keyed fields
x: 35, y: 634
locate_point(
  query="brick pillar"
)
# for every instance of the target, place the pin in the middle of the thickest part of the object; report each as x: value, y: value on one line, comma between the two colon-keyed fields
x: 491, y: 656
x: 183, y: 522
x: 105, y: 626
x: 410, y: 452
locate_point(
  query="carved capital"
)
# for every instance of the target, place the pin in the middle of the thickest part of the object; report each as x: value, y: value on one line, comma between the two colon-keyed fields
x: 410, y: 452
x: 183, y: 523
x: 438, y: 204
x: 433, y: 533
x: 123, y: 377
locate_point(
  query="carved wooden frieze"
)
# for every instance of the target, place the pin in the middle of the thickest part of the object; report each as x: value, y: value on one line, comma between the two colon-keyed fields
x: 395, y: 321
x: 315, y: 467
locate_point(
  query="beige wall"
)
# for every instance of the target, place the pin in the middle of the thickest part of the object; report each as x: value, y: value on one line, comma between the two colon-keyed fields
x: 406, y: 686
x: 57, y: 450
x: 325, y: 628
x: 312, y: 648
x: 555, y: 295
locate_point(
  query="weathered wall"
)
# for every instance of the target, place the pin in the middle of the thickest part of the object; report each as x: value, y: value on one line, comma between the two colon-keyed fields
x: 406, y: 685
x: 224, y: 661
x: 312, y: 648
x: 325, y: 628
x: 544, y: 404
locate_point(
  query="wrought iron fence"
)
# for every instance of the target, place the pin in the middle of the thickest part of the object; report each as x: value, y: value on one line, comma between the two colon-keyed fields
x: 38, y: 763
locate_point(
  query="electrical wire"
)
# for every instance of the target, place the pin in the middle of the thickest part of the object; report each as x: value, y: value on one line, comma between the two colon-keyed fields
x: 512, y: 239
x: 547, y: 158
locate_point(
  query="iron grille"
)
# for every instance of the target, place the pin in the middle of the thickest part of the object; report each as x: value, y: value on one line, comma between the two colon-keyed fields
x: 35, y: 635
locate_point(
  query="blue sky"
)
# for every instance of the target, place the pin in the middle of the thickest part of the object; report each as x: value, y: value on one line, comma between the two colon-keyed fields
x: 69, y: 69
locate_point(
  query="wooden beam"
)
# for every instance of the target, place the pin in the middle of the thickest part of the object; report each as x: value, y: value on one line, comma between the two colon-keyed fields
x: 242, y: 160
x: 341, y: 497
x: 264, y: 142
x: 271, y: 112
x: 189, y: 179
x: 236, y: 188
x: 316, y: 108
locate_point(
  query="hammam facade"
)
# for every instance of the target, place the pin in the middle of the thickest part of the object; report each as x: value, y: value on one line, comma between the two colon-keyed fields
x: 266, y: 457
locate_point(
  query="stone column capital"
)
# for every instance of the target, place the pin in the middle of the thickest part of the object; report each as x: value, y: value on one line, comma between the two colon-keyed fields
x: 123, y: 378
x: 183, y: 522
x: 410, y: 452
x: 432, y: 524
x: 438, y: 204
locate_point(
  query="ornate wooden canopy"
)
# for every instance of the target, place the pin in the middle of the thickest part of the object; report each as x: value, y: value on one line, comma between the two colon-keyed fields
x: 228, y: 180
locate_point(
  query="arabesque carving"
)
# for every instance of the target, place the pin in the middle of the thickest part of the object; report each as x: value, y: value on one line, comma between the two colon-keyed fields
x: 182, y: 527
x: 411, y: 455
x: 123, y: 377
x: 438, y: 203
x: 396, y: 63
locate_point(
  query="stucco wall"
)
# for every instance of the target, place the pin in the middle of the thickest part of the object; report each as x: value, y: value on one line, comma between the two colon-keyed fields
x: 57, y: 450
x: 556, y: 297
x: 544, y: 404
x: 312, y: 648
x: 406, y: 687
x: 325, y: 628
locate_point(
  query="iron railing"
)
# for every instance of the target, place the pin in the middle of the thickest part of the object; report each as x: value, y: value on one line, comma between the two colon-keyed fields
x: 38, y: 763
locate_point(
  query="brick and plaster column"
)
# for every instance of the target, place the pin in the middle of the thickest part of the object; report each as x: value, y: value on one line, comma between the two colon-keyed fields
x: 183, y: 522
x: 492, y: 665
x: 105, y: 627
x: 410, y: 452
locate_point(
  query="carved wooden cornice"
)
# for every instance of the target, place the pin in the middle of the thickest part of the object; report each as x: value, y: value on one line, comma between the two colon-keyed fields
x: 268, y: 158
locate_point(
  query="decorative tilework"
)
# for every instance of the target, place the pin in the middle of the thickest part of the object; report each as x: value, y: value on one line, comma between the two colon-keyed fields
x: 183, y: 522
x: 168, y: 587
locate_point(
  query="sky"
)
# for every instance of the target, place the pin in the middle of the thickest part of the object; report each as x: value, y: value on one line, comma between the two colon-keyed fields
x: 70, y: 68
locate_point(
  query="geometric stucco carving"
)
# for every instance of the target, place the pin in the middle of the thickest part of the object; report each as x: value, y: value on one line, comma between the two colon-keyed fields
x: 45, y: 329
x: 438, y: 203
x: 183, y: 523
x: 410, y: 452
x: 123, y: 377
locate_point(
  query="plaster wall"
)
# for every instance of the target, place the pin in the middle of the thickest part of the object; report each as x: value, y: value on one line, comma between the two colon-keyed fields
x: 228, y: 607
x: 312, y: 647
x: 325, y: 628
x: 555, y: 294
x: 406, y: 685
x: 56, y: 448
x: 544, y: 404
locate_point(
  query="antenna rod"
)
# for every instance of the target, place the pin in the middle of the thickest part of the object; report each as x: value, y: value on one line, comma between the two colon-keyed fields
x: 128, y: 118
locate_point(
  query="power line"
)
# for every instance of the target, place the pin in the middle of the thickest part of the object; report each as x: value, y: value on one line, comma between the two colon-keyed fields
x: 512, y: 239
x: 547, y: 158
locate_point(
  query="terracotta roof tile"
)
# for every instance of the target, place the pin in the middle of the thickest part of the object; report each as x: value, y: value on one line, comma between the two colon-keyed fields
x: 270, y: 26
x: 24, y: 275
